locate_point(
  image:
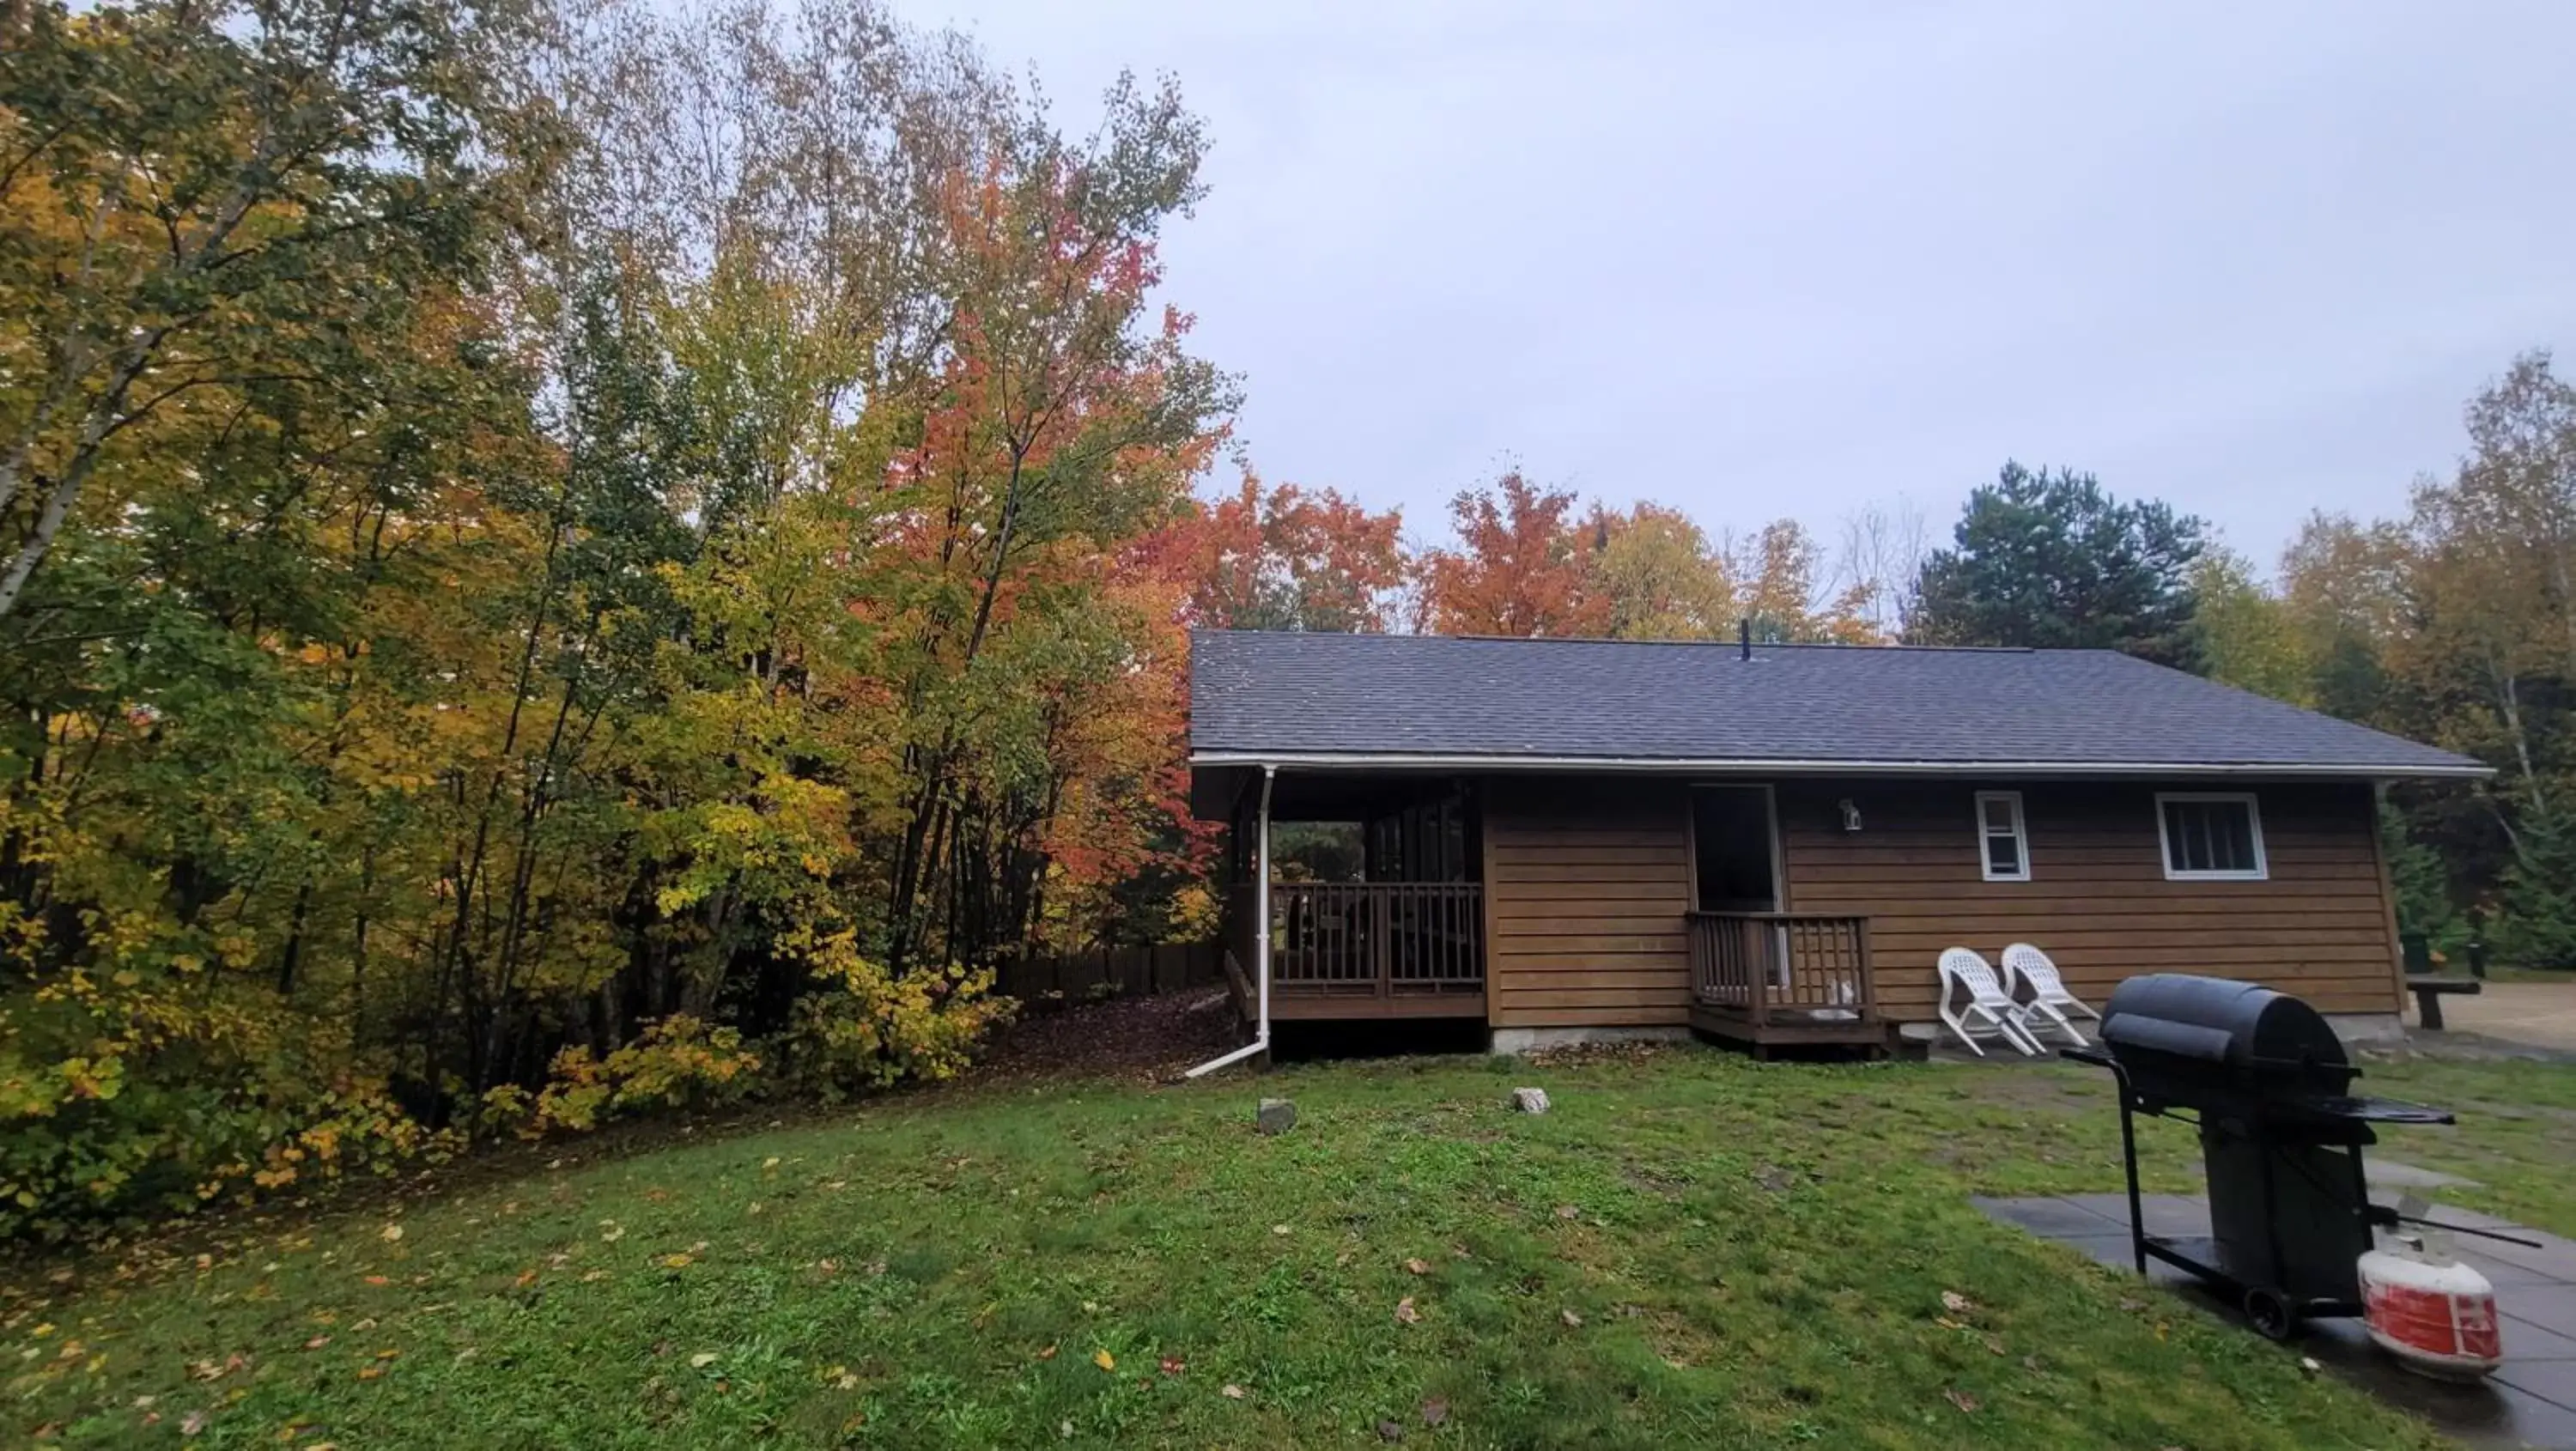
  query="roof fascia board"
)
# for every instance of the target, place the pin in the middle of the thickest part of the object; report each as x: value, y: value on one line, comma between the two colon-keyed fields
x: 1676, y: 766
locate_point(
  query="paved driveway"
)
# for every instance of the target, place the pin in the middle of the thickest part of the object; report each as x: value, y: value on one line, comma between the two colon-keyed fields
x: 2542, y: 1014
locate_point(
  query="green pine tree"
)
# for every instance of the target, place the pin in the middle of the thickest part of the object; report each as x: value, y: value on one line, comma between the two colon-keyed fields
x: 2538, y: 923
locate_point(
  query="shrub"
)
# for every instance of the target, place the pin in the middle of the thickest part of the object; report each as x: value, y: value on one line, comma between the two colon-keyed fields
x: 862, y: 1028
x: 679, y: 1062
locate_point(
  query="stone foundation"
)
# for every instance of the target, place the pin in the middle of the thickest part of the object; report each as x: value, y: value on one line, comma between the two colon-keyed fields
x: 1516, y: 1041
x: 2373, y: 1030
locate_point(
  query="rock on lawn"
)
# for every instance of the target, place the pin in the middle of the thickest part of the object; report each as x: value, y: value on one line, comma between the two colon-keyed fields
x: 1530, y: 1100
x: 1275, y: 1116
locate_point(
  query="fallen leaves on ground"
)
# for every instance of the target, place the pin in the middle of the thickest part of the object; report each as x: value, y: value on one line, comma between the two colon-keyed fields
x: 1417, y: 1267
x: 1173, y: 1365
x: 1434, y: 1411
x: 702, y: 1360
x: 1233, y: 1392
x: 1389, y: 1431
x: 1961, y: 1399
x: 1405, y: 1314
x: 391, y: 1233
x: 1572, y: 1320
x: 1104, y: 1360
x: 1956, y: 1303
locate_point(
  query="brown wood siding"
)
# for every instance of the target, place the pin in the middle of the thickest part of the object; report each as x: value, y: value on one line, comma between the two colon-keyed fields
x: 2098, y: 902
x: 1586, y: 883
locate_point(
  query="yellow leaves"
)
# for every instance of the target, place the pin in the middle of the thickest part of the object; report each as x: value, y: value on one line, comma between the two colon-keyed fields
x: 702, y: 1360
x: 676, y: 1261
x: 390, y: 1233
x: 1104, y: 1360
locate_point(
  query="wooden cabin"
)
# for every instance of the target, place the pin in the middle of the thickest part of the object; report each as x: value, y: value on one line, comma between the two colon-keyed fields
x: 1771, y: 844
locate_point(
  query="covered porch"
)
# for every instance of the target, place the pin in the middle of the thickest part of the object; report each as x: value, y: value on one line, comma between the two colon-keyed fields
x: 1375, y: 905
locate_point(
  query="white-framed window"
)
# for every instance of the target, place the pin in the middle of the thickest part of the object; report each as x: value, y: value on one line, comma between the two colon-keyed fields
x: 2214, y: 836
x: 2003, y: 844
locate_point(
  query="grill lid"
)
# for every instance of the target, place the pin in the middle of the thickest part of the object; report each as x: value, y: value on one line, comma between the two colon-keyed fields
x: 2219, y: 1022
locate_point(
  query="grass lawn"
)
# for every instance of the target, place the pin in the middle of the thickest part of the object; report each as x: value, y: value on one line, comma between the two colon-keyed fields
x: 2516, y: 1137
x: 1692, y: 1249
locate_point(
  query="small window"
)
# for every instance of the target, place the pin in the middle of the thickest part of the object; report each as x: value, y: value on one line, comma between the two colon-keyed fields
x: 2003, y: 846
x: 2208, y: 835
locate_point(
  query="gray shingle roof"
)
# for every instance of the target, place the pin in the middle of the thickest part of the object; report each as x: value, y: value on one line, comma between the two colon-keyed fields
x: 1257, y: 694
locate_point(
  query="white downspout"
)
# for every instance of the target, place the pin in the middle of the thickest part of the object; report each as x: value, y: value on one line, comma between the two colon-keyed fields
x: 1261, y: 939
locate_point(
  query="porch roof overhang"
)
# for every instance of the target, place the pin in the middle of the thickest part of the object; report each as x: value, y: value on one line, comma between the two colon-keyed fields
x: 1218, y: 777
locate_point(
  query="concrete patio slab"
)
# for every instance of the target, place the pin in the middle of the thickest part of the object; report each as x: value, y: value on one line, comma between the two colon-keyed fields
x: 2530, y: 1402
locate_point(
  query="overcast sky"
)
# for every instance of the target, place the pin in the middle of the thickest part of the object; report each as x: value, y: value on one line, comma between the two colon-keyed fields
x: 1788, y: 258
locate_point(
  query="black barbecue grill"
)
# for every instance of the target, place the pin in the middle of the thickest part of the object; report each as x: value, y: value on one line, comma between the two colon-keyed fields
x: 2268, y: 1084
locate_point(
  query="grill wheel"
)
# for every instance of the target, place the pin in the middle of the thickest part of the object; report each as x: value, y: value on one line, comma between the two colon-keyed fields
x: 2269, y: 1314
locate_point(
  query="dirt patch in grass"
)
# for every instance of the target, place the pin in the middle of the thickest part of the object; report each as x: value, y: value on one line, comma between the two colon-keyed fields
x: 1130, y: 1040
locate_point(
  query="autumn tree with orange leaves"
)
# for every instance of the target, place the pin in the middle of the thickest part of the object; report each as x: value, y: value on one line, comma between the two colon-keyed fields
x: 1519, y: 566
x: 1289, y: 558
x: 1526, y: 564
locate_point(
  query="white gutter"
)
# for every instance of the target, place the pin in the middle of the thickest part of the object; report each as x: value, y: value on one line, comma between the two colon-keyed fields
x: 1261, y: 935
x: 1756, y: 766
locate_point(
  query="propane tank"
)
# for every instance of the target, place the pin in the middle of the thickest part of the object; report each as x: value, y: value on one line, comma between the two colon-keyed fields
x: 2437, y: 1316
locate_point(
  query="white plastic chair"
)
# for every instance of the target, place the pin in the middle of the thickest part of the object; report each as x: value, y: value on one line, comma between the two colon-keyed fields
x: 1992, y: 1013
x: 2026, y: 966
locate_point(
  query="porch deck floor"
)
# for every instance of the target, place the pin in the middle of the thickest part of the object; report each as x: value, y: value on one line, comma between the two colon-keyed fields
x: 1735, y: 1025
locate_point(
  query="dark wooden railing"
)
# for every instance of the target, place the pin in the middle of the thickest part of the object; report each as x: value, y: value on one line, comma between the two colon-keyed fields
x: 1783, y: 967
x: 1377, y: 939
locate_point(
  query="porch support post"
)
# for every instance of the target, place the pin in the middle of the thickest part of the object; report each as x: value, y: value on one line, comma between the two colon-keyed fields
x: 1261, y: 905
x: 1261, y: 937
